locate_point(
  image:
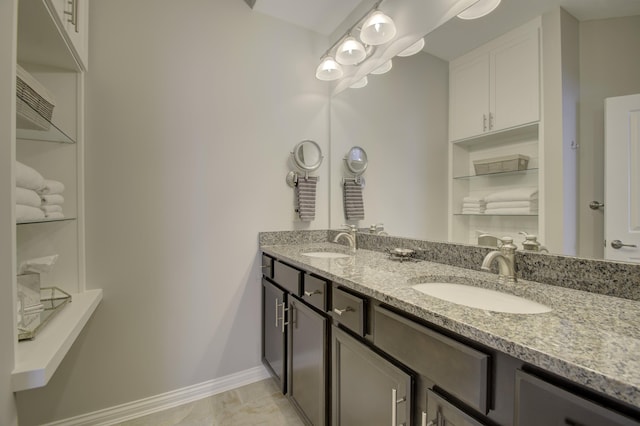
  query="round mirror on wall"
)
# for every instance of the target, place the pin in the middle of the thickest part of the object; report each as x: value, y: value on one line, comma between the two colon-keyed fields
x: 356, y: 160
x: 307, y: 155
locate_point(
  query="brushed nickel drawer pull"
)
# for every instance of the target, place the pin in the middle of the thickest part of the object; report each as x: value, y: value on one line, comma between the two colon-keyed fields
x: 342, y: 311
x: 311, y: 293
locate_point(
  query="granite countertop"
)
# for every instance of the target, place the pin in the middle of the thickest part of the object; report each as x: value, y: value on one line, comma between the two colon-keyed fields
x: 588, y: 338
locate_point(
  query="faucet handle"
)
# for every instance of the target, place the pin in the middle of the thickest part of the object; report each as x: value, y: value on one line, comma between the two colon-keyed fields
x: 507, y: 244
x: 352, y: 228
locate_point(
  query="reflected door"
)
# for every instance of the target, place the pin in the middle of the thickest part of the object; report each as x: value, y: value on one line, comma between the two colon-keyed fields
x: 622, y: 178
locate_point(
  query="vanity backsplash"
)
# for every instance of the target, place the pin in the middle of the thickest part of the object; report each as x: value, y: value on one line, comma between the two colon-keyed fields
x: 597, y: 276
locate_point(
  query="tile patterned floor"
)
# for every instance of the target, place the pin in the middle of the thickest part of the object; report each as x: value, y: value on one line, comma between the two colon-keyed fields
x: 259, y: 403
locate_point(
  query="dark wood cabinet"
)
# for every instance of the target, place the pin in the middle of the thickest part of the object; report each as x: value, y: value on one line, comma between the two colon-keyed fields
x: 308, y: 361
x: 541, y: 403
x: 273, y: 332
x: 367, y: 389
x: 442, y: 412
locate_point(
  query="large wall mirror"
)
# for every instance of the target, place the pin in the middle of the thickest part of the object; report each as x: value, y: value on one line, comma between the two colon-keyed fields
x: 401, y: 120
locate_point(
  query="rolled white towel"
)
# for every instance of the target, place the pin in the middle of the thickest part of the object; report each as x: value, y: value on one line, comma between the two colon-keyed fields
x: 28, y: 177
x: 27, y: 197
x: 28, y: 213
x: 51, y: 187
x: 56, y: 199
x: 515, y: 194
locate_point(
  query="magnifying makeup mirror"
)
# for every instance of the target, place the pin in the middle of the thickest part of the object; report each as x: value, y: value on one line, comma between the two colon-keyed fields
x: 356, y: 160
x: 307, y: 155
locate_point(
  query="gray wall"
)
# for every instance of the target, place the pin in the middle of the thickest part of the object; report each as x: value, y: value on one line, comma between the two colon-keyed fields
x: 400, y: 118
x: 609, y: 66
x: 192, y: 110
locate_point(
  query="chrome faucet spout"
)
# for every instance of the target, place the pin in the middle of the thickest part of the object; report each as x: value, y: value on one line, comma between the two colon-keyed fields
x: 350, y: 237
x: 506, y: 261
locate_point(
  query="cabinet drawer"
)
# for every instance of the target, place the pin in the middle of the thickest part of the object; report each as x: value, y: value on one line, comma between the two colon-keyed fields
x: 314, y: 292
x: 287, y: 277
x: 454, y: 367
x: 267, y: 266
x: 541, y: 403
x: 349, y: 310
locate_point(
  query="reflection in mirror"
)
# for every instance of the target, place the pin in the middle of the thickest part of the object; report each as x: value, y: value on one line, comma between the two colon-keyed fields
x: 404, y: 118
x: 307, y: 155
x: 356, y: 160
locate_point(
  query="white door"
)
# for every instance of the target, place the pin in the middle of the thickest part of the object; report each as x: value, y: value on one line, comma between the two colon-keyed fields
x: 622, y: 178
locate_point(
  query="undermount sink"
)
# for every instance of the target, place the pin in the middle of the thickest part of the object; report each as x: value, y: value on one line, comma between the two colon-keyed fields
x: 481, y: 298
x: 326, y: 254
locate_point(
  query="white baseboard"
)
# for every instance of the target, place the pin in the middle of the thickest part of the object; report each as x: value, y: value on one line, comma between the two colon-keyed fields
x: 143, y: 407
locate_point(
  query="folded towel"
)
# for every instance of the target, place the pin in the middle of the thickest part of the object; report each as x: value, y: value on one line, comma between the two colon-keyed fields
x: 306, y: 195
x: 516, y: 194
x: 512, y: 204
x: 473, y: 200
x: 472, y: 211
x: 353, y: 202
x: 27, y: 177
x: 474, y: 205
x: 27, y: 197
x: 28, y: 213
x: 513, y: 211
x: 56, y: 199
x: 51, y: 208
x: 51, y: 187
x: 54, y: 215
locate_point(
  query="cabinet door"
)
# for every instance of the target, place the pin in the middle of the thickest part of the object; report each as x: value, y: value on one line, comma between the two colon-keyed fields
x: 541, y: 403
x: 441, y: 412
x: 273, y: 331
x: 72, y: 16
x: 515, y: 82
x: 308, y: 361
x: 367, y: 389
x: 469, y: 98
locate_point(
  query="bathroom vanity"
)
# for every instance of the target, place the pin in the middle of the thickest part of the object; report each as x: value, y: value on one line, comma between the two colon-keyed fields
x: 351, y: 342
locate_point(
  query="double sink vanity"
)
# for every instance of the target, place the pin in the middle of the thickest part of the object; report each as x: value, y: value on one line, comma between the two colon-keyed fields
x: 357, y: 337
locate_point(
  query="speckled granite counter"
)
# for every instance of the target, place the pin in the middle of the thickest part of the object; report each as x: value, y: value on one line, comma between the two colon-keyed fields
x: 588, y: 338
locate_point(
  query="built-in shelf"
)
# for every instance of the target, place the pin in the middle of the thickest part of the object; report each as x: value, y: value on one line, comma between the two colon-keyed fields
x: 31, y: 222
x: 37, y: 360
x: 494, y: 215
x: 492, y: 139
x: 489, y: 175
x: 51, y: 133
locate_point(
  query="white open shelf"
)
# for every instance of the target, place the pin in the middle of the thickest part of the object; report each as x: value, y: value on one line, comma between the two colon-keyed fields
x: 38, y: 359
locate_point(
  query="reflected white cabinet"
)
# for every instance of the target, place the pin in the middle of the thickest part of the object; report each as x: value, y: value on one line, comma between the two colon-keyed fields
x: 496, y: 86
x: 73, y: 17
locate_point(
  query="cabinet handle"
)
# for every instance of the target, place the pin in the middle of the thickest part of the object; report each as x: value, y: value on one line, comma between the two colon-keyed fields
x: 284, y: 310
x: 342, y: 311
x: 424, y: 421
x: 73, y: 14
x: 394, y: 406
x: 484, y: 122
x: 490, y: 120
x: 311, y: 293
x: 277, y: 318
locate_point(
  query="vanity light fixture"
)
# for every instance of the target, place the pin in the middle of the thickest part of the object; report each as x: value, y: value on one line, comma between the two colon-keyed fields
x: 360, y: 83
x: 350, y: 52
x: 479, y: 9
x: 413, y: 49
x: 377, y: 29
x: 383, y: 68
x: 328, y: 70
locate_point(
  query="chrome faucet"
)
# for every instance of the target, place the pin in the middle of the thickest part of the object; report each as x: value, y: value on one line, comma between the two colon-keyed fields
x: 506, y: 258
x: 350, y: 236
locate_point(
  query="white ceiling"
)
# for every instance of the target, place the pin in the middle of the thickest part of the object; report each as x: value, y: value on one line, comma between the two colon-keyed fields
x: 455, y: 37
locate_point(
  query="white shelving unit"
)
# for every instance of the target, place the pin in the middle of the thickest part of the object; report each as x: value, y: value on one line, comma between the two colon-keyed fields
x: 56, y: 59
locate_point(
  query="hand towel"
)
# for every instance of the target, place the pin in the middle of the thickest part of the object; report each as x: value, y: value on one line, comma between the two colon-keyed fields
x: 27, y: 177
x: 27, y: 197
x: 51, y: 187
x: 511, y: 204
x: 56, y: 199
x: 353, y: 201
x: 516, y: 194
x: 512, y: 211
x: 28, y: 213
x: 306, y: 195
